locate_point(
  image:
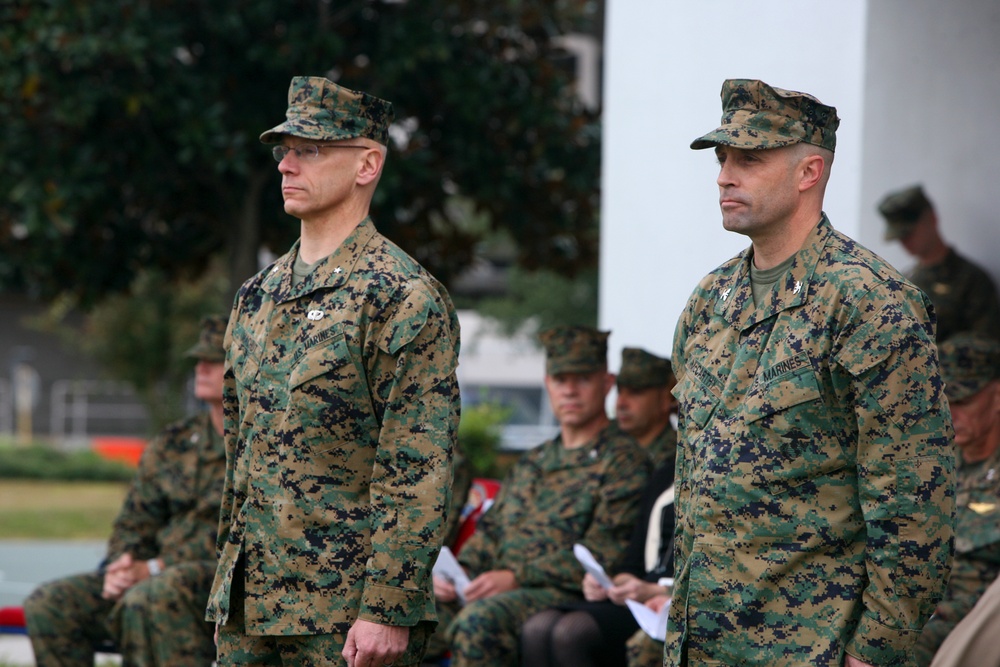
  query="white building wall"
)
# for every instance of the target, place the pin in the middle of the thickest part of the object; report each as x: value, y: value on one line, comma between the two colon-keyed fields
x: 665, y: 64
x: 932, y: 106
x: 917, y: 87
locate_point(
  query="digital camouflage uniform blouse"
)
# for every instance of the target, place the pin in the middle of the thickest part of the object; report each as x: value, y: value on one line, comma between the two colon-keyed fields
x: 342, y: 409
x: 171, y: 510
x: 963, y: 295
x: 815, y: 474
x: 554, y: 497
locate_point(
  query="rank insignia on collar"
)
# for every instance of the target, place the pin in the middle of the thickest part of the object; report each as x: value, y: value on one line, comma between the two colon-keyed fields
x: 725, y: 293
x: 798, y: 287
x: 337, y: 270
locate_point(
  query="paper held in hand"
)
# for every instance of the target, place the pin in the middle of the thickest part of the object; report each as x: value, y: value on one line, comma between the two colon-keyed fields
x: 447, y: 567
x: 653, y: 624
x: 591, y: 565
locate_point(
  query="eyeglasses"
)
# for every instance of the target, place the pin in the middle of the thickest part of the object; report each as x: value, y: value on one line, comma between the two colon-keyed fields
x: 306, y: 151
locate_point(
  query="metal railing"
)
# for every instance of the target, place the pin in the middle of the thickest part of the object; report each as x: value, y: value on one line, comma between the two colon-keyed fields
x: 75, y: 404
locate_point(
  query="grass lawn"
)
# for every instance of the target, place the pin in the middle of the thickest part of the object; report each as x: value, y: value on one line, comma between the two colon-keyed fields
x: 59, y: 510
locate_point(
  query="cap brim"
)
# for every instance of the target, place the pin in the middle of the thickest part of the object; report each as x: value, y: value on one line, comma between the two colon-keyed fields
x: 306, y: 129
x: 740, y: 136
x: 959, y: 391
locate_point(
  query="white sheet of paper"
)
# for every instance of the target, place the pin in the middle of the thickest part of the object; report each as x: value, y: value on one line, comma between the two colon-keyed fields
x: 652, y: 623
x: 591, y: 565
x: 447, y: 566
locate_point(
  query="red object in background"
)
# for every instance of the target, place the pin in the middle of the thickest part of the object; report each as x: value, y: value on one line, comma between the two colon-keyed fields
x: 481, y: 495
x: 119, y: 448
x: 12, y: 620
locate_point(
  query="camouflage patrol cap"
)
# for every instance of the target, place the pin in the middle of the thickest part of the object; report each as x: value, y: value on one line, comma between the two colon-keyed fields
x: 756, y: 115
x: 902, y: 209
x: 320, y: 109
x: 969, y: 362
x: 574, y: 349
x: 209, y: 346
x: 640, y: 370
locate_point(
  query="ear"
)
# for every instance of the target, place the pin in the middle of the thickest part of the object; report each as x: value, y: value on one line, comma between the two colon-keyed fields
x: 810, y: 171
x: 609, y: 382
x: 371, y: 166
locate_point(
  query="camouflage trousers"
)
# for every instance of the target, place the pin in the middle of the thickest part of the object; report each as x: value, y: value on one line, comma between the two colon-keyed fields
x: 644, y: 651
x: 486, y: 633
x: 159, y: 622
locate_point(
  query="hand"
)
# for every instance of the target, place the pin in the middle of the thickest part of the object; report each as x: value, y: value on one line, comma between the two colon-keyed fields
x: 489, y: 584
x: 592, y: 590
x: 631, y: 587
x: 657, y: 601
x: 444, y: 590
x: 373, y: 645
x: 120, y: 575
x: 851, y: 661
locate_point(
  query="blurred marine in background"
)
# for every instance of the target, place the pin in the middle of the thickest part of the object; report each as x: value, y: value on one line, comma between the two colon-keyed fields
x: 149, y: 598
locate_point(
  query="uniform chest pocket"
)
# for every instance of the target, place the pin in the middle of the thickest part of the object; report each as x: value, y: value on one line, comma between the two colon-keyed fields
x: 697, y: 402
x: 244, y: 356
x: 790, y: 439
x: 325, y: 354
x: 784, y: 402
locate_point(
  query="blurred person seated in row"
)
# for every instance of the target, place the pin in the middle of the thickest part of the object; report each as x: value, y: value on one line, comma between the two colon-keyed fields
x: 582, y: 486
x: 963, y: 294
x: 970, y: 367
x: 594, y: 633
x: 149, y: 597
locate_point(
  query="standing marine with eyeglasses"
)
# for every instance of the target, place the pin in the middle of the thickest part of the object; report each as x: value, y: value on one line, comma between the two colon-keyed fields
x: 342, y: 410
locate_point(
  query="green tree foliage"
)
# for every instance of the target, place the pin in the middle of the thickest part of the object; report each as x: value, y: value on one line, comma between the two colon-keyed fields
x: 130, y: 131
x: 479, y: 434
x: 142, y: 336
x: 544, y: 298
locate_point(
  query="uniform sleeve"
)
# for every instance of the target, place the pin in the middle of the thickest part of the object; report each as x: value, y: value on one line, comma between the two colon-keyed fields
x: 414, y: 381
x: 615, y: 513
x: 905, y: 467
x: 146, y: 508
x: 682, y: 472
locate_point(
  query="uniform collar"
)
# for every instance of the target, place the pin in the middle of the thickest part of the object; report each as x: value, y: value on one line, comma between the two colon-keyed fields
x: 329, y: 273
x: 735, y: 295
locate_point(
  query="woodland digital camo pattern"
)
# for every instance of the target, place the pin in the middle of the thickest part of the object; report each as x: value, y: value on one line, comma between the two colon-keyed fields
x: 574, y: 349
x: 977, y: 553
x: 172, y: 512
x: 815, y: 472
x: 342, y: 409
x: 551, y: 499
x: 964, y: 297
x: 902, y: 209
x: 756, y: 115
x: 968, y: 364
x: 640, y: 369
x: 211, y: 339
x: 320, y: 109
x: 641, y: 650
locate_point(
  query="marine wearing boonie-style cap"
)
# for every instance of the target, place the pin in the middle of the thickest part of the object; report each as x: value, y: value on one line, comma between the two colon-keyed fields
x: 902, y: 209
x: 757, y: 116
x: 641, y: 369
x: 969, y: 362
x: 210, y: 340
x: 320, y: 109
x: 574, y: 349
